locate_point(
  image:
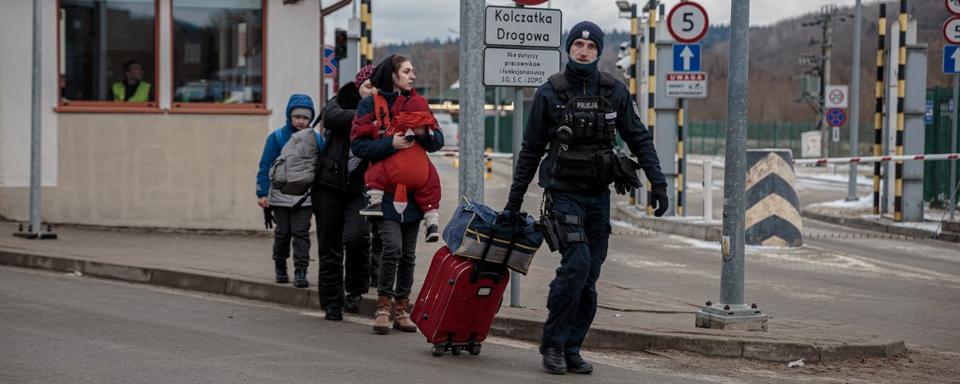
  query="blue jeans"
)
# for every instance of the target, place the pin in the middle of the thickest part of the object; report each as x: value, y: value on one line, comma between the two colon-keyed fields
x: 572, y: 301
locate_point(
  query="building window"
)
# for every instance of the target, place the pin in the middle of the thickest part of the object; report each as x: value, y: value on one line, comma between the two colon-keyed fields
x: 108, y: 53
x: 218, y: 53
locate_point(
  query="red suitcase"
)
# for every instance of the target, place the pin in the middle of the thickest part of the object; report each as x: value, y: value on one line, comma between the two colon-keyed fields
x: 456, y: 305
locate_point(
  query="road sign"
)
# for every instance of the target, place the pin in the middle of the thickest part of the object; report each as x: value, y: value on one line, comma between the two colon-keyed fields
x: 522, y: 27
x: 836, y: 117
x: 516, y: 67
x: 953, y: 6
x: 835, y: 96
x: 329, y: 61
x: 686, y: 57
x: 836, y: 134
x: 686, y: 85
x: 951, y: 30
x: 951, y: 59
x: 687, y: 22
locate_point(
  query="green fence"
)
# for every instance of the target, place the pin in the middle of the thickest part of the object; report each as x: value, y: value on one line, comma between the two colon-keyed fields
x: 709, y: 137
x: 939, y: 125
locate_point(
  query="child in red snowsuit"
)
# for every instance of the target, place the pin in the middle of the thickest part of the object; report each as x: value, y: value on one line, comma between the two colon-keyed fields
x: 407, y: 169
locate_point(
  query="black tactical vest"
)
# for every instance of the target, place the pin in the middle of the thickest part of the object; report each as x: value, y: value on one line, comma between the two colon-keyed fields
x: 583, y: 145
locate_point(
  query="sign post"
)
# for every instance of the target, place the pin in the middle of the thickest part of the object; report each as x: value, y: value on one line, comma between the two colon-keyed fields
x: 520, y: 50
x: 951, y: 66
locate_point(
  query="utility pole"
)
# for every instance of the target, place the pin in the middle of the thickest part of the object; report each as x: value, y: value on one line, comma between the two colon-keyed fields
x: 828, y: 15
x: 731, y: 312
x: 471, y: 100
x: 855, y: 107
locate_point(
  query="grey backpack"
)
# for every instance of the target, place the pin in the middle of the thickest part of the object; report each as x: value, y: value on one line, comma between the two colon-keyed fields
x: 292, y: 172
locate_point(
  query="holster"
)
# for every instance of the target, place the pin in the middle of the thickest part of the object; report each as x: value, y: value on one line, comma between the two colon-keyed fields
x: 555, y: 233
x: 551, y: 234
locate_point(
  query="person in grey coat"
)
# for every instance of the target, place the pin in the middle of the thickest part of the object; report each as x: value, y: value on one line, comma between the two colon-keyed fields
x: 291, y: 213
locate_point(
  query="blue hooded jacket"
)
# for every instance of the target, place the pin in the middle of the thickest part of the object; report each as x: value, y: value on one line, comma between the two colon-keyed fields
x: 276, y: 140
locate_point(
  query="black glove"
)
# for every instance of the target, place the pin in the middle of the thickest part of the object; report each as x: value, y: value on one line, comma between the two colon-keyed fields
x: 659, y: 200
x: 512, y: 206
x: 625, y: 178
x: 268, y: 218
x: 509, y: 217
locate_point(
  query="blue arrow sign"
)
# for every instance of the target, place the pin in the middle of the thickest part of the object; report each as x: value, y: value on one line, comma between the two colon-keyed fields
x: 951, y: 59
x: 686, y: 57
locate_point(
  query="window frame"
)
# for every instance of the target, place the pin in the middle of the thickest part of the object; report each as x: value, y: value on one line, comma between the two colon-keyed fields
x: 111, y: 106
x: 259, y: 108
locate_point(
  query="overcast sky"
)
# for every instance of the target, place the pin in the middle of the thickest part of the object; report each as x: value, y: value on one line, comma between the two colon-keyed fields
x: 415, y: 20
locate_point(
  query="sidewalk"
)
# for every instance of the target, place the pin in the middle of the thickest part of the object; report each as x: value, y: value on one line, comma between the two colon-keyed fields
x: 240, y: 266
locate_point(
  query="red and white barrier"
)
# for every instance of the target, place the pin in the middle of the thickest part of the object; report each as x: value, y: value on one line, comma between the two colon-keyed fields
x: 443, y: 153
x: 877, y: 159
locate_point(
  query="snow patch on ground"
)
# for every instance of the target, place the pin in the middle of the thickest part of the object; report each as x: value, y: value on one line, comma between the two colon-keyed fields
x: 861, y: 203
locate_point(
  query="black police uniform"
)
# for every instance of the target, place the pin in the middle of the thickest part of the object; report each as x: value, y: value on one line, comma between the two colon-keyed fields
x: 575, y: 120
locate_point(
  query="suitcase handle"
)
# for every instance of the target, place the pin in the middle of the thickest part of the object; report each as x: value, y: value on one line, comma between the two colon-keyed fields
x: 496, y: 276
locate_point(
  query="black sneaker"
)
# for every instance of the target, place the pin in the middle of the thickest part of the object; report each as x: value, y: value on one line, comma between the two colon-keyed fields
x: 375, y: 209
x: 280, y: 267
x: 433, y: 234
x: 351, y: 303
x: 300, y: 278
x: 553, y: 361
x: 576, y: 364
x: 334, y: 314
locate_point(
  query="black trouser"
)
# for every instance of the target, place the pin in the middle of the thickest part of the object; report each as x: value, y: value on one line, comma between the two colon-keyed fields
x: 295, y: 223
x: 343, y: 238
x: 398, y: 258
x: 376, y: 247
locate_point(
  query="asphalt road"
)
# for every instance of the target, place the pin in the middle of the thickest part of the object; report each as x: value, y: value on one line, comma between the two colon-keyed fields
x: 57, y: 328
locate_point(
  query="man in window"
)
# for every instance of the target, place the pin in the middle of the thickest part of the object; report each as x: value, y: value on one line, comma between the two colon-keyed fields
x: 132, y: 89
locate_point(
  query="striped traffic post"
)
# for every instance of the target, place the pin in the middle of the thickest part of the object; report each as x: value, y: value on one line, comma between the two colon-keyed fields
x: 878, y: 112
x: 901, y: 92
x: 773, y: 208
x: 651, y: 86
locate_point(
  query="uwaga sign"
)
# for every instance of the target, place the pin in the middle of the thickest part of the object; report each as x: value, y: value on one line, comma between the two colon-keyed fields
x: 522, y: 27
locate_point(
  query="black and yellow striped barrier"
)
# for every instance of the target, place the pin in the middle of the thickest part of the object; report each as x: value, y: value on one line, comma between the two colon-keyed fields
x: 878, y: 112
x: 651, y: 87
x: 366, y: 32
x: 901, y: 92
x: 773, y: 209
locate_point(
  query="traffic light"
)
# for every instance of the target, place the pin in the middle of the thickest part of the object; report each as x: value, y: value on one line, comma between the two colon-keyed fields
x: 340, y: 45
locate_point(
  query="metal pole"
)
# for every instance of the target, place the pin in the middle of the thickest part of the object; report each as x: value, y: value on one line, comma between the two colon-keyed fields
x: 708, y: 189
x: 471, y: 100
x: 953, y: 149
x: 855, y: 108
x: 517, y: 140
x: 827, y: 48
x: 35, y: 134
x: 735, y: 166
x: 496, y: 119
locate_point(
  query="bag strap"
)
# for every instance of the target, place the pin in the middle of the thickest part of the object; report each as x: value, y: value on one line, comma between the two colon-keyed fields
x: 477, y: 274
x: 381, y: 113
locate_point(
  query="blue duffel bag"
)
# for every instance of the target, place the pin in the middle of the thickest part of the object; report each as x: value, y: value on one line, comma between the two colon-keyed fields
x: 472, y: 227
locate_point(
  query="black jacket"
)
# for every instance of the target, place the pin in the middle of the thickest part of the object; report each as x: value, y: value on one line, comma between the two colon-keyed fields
x: 545, y: 115
x: 337, y: 117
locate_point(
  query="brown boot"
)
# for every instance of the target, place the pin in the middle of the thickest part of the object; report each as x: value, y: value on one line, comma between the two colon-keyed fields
x: 401, y: 318
x: 381, y: 323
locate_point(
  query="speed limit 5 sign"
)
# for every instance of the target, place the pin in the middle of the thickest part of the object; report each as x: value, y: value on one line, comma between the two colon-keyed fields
x: 687, y: 22
x: 951, y: 30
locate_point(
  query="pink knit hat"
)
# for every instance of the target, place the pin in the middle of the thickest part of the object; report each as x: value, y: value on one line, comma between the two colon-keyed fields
x: 363, y: 74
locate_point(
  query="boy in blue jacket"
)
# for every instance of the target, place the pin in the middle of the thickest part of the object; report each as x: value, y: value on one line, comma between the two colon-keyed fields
x: 292, y: 220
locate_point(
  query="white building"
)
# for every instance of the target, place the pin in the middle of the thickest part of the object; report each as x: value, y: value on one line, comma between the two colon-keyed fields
x: 184, y: 152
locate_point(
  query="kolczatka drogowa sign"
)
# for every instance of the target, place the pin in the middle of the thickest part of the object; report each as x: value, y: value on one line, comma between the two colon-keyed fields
x: 522, y: 27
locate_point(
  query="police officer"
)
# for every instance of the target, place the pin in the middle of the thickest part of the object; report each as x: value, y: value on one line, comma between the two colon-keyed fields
x: 575, y: 118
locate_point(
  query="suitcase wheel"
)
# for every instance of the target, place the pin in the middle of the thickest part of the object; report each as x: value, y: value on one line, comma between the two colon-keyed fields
x: 455, y: 351
x: 436, y: 351
x: 474, y: 349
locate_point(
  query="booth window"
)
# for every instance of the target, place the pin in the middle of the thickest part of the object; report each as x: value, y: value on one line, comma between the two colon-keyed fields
x: 107, y: 54
x: 218, y: 54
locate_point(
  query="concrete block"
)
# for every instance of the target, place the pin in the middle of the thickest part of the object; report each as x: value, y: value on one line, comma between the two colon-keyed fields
x: 280, y: 294
x: 117, y: 272
x: 782, y: 352
x: 514, y: 328
x: 189, y: 281
x: 853, y: 351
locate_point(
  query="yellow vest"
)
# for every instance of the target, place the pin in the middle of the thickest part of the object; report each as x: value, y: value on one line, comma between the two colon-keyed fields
x: 142, y: 94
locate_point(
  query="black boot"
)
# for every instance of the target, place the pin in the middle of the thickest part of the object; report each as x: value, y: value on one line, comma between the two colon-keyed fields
x: 334, y: 313
x: 433, y: 233
x: 553, y: 361
x: 280, y: 267
x: 300, y: 278
x: 576, y: 364
x: 351, y: 303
